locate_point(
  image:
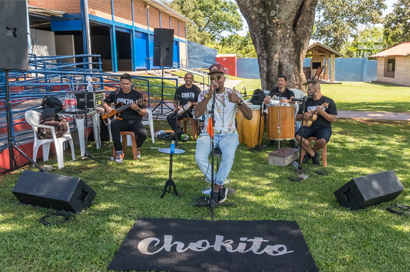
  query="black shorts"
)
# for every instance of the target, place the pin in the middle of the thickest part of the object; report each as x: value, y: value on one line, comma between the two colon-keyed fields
x: 318, y: 132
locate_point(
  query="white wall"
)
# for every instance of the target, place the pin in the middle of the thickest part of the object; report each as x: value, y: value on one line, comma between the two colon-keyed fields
x: 43, y: 42
x: 65, y: 46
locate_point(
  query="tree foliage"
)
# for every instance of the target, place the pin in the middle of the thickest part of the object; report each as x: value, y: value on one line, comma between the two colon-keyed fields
x: 337, y: 20
x: 211, y: 18
x: 397, y: 24
x: 242, y: 46
x: 366, y: 42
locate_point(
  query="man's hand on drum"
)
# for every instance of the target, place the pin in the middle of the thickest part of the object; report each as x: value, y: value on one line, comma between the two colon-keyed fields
x: 283, y: 101
x: 267, y: 99
x: 234, y: 98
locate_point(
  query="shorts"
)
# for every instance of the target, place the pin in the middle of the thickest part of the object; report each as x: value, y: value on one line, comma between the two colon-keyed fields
x: 318, y: 132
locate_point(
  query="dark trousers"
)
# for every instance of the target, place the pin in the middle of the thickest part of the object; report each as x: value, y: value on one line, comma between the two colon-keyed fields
x: 127, y: 125
x: 174, y: 124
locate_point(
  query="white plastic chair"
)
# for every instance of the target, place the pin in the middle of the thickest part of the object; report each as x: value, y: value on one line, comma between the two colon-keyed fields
x: 149, y: 123
x: 33, y: 118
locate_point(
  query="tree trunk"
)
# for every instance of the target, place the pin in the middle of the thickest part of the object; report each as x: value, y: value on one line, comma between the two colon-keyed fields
x: 280, y: 31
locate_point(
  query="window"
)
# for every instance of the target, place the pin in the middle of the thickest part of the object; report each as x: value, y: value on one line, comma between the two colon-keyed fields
x: 316, y: 65
x: 391, y: 63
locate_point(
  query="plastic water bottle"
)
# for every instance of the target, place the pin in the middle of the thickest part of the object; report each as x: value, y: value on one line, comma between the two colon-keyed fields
x: 73, y: 103
x: 172, y: 149
x: 67, y: 101
x: 89, y: 86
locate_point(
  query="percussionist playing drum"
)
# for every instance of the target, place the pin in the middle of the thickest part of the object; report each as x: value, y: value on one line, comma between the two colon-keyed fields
x: 284, y: 95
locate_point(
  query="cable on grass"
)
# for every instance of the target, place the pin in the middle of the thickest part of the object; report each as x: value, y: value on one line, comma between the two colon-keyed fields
x: 53, y: 218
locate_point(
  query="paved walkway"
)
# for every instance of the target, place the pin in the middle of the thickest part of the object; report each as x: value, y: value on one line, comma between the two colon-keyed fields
x: 399, y: 116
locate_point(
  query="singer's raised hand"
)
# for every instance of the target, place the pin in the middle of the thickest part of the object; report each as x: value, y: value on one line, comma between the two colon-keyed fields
x: 234, y: 98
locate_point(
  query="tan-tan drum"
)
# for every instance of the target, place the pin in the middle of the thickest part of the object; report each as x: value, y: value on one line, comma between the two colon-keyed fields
x: 281, y: 122
x: 250, y: 130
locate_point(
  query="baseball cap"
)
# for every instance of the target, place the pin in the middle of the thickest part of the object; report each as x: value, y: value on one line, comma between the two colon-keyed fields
x: 216, y: 68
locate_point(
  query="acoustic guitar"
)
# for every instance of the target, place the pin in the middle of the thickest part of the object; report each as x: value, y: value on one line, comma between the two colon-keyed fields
x: 313, y: 118
x: 121, y: 108
x: 184, y: 108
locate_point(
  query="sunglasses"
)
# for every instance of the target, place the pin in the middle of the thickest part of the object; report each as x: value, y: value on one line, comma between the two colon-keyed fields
x: 218, y: 77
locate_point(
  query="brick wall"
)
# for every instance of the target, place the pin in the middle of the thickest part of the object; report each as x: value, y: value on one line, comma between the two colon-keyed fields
x: 174, y: 25
x: 165, y: 20
x: 100, y: 8
x: 123, y: 11
x: 140, y: 14
x: 401, y: 73
x: 72, y: 6
x: 153, y: 18
x: 181, y: 29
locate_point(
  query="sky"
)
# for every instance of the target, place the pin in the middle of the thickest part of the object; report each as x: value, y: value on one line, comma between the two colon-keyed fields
x: 389, y: 9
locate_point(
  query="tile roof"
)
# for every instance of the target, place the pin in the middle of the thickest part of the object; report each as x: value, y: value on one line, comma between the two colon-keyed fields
x: 401, y: 50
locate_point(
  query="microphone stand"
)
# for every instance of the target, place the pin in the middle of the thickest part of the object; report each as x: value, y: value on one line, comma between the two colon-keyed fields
x: 211, y: 201
x: 300, y: 169
x: 259, y: 146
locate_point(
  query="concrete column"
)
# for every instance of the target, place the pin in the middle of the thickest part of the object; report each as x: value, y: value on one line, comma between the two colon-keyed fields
x: 332, y: 68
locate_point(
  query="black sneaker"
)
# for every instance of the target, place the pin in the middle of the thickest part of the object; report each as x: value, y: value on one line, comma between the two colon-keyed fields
x: 292, y: 143
x: 223, y: 193
x: 315, y: 159
x: 216, y: 197
x: 306, y: 158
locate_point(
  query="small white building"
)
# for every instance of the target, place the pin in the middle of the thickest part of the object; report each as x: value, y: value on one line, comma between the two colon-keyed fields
x: 393, y: 64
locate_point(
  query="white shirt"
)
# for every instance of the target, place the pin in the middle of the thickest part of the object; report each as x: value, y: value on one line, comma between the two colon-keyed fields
x: 224, y: 112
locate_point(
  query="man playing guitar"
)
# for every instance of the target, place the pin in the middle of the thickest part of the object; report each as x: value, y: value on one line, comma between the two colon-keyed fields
x: 187, y: 93
x: 131, y: 117
x: 321, y: 128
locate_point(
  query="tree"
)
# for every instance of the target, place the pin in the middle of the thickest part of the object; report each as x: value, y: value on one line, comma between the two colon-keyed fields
x: 280, y: 31
x: 235, y: 44
x: 397, y: 24
x: 211, y: 18
x: 337, y: 20
x: 366, y: 42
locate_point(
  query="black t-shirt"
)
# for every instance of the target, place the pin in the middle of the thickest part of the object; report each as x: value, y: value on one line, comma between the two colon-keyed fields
x: 126, y: 98
x: 185, y: 95
x: 311, y: 105
x: 287, y: 94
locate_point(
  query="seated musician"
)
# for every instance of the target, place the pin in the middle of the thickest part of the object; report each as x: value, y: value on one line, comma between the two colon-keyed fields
x: 322, y: 127
x: 184, y: 94
x: 225, y: 135
x: 130, y: 118
x: 281, y: 92
x: 284, y: 95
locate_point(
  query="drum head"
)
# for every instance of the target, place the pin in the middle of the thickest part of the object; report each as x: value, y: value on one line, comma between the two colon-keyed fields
x: 254, y: 107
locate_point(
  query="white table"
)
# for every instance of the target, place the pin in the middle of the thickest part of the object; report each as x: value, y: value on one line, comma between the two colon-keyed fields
x: 79, y: 119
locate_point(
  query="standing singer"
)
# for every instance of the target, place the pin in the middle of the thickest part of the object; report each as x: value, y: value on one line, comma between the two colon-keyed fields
x: 225, y: 135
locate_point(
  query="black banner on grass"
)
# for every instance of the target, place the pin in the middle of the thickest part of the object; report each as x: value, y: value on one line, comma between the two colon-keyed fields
x: 189, y: 245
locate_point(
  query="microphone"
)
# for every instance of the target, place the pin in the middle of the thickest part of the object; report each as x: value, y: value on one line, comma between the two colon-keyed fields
x: 299, y: 99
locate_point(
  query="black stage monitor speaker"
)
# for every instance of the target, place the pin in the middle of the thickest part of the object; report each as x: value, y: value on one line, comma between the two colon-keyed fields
x: 163, y: 47
x: 369, y: 190
x: 13, y: 35
x: 53, y: 191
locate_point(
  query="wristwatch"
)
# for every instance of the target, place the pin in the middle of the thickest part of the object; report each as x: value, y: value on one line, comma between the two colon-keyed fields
x: 240, y: 103
x: 208, y: 96
x: 138, y: 110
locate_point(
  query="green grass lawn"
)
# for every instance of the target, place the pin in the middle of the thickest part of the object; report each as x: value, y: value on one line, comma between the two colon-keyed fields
x: 339, y: 239
x: 349, y: 96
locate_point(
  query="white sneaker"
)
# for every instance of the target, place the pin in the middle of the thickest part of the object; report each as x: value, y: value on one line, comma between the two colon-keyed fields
x: 139, y: 153
x: 120, y: 156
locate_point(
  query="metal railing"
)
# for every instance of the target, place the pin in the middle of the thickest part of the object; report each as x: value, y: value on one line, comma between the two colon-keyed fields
x: 52, y: 75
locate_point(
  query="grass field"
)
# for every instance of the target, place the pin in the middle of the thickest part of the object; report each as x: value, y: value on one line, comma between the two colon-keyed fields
x: 339, y: 239
x: 350, y: 96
